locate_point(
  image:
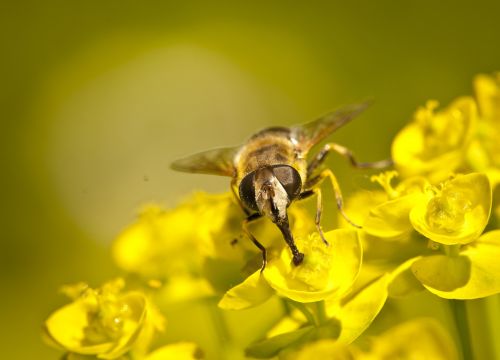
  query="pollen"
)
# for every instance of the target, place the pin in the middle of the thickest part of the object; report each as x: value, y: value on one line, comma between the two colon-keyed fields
x: 446, y: 211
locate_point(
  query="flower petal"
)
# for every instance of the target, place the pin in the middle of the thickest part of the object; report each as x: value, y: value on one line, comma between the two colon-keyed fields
x: 477, y: 270
x: 402, y: 281
x: 251, y: 292
x: 390, y: 219
x: 357, y: 311
x: 442, y: 272
x: 487, y: 90
x: 67, y: 326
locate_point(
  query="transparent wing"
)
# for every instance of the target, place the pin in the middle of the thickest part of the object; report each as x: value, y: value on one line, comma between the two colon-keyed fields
x: 215, y: 162
x: 311, y: 133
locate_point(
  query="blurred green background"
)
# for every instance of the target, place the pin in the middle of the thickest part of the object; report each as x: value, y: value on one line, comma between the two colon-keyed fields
x: 97, y: 97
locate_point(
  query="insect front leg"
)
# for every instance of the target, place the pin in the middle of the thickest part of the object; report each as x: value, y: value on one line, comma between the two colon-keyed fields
x: 261, y: 247
x: 319, y: 209
x: 317, y: 180
x: 342, y: 150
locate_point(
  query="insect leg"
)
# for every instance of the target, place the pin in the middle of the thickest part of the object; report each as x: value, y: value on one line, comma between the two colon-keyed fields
x: 319, y: 209
x: 320, y: 157
x: 261, y: 247
x: 306, y: 194
x: 336, y: 189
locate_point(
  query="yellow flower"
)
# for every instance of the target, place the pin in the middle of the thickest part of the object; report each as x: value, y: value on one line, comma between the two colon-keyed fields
x: 470, y: 272
x: 327, y: 270
x: 487, y: 88
x: 151, y: 246
x: 390, y: 219
x: 453, y: 216
x: 456, y: 212
x: 484, y: 153
x: 106, y: 322
x: 434, y: 144
x: 450, y: 215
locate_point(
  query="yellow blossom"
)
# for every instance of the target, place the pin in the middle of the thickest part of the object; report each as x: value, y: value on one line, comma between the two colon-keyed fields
x: 385, y: 215
x: 151, y: 246
x: 327, y: 270
x: 434, y: 144
x: 456, y: 212
x: 487, y: 88
x: 471, y: 272
x: 484, y: 152
x: 106, y: 322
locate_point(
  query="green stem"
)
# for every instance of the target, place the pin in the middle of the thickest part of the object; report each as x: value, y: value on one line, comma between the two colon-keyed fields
x: 305, y: 311
x: 483, y: 315
x: 460, y: 315
x: 321, y: 312
x: 220, y: 325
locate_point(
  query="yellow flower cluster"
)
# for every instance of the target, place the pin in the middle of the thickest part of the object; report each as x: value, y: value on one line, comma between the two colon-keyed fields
x: 430, y: 231
x: 108, y: 323
x: 460, y: 138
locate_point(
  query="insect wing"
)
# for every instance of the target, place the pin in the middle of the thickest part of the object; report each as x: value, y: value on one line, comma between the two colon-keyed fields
x: 215, y: 162
x: 311, y: 133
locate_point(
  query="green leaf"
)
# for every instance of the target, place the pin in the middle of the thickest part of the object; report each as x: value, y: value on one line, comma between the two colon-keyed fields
x: 268, y: 348
x: 477, y: 270
x: 251, y: 292
x: 271, y: 347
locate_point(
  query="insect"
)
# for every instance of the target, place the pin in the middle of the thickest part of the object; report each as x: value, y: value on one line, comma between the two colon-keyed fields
x: 271, y: 170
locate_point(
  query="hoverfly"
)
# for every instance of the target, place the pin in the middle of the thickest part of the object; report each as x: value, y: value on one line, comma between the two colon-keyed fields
x: 270, y: 170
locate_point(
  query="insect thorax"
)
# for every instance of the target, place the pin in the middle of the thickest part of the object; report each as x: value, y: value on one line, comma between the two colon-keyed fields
x: 268, y: 148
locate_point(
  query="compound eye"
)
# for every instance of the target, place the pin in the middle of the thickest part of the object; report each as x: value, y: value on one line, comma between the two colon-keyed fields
x: 247, y: 192
x: 290, y: 179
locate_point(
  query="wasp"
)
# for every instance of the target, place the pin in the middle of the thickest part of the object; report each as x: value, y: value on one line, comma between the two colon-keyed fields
x: 271, y: 170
